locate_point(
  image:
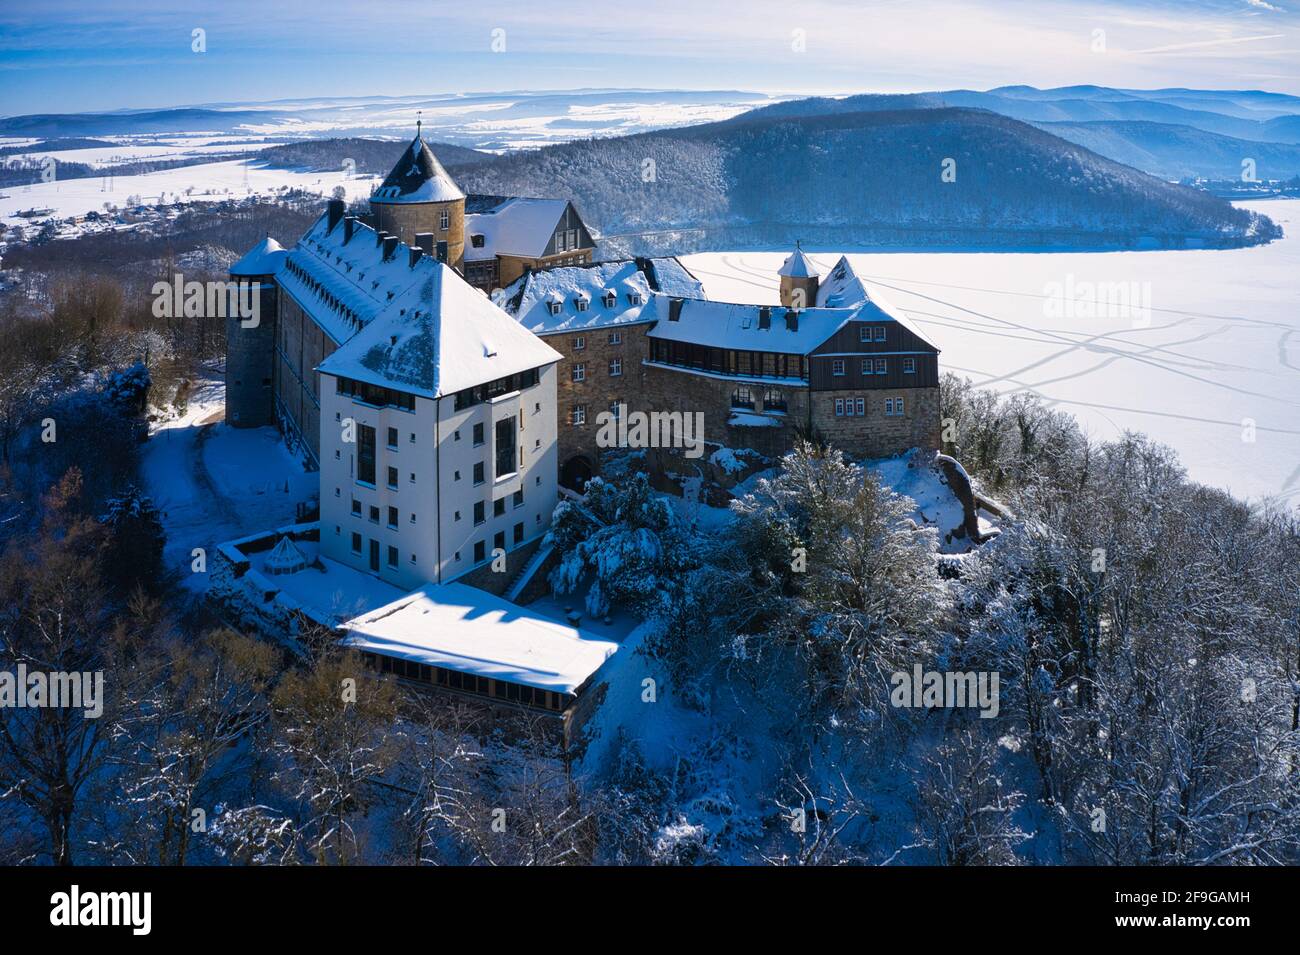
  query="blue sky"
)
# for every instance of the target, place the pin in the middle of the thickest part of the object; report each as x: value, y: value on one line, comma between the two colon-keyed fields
x: 65, y: 56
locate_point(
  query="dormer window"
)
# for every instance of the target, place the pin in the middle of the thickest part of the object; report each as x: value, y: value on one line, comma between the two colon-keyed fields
x: 476, y: 240
x: 609, y: 298
x: 634, y: 298
x: 581, y: 303
x: 554, y: 306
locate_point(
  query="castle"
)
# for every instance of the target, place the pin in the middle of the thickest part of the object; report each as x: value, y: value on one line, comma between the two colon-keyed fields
x: 445, y: 419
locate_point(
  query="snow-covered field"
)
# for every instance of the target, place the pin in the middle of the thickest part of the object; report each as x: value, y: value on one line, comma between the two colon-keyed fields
x: 207, y: 182
x: 1206, y: 358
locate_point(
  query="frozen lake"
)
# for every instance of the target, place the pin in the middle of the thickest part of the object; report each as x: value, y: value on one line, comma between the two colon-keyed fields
x: 1199, y: 349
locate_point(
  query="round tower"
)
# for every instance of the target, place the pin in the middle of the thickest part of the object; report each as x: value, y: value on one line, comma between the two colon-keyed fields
x: 418, y: 196
x: 799, y: 281
x: 250, y: 336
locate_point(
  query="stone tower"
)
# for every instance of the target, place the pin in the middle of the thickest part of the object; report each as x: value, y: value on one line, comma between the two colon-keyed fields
x: 250, y: 340
x: 419, y: 198
x: 799, y: 280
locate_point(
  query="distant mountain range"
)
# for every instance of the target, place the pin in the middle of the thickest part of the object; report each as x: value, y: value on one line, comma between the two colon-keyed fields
x: 875, y: 177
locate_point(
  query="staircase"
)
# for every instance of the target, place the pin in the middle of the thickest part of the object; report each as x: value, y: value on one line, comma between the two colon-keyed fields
x: 527, y: 572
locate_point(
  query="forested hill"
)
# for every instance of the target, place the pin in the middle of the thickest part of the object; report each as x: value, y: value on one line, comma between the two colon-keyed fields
x: 870, y: 177
x: 370, y: 155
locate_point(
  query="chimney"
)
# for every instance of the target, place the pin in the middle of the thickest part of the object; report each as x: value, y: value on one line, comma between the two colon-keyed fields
x: 390, y: 246
x: 349, y: 226
x: 380, y: 235
x: 335, y: 211
x: 417, y: 254
x: 764, y: 317
x: 424, y: 242
x: 675, y: 309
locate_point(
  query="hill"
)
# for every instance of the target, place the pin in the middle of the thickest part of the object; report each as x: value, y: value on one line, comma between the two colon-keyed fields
x: 865, y: 178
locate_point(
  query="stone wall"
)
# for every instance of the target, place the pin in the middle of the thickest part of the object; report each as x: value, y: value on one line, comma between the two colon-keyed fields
x: 250, y: 361
x: 876, y: 434
x: 406, y: 219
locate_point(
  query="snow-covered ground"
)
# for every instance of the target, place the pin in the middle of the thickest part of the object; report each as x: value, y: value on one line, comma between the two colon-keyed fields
x: 1206, y: 359
x: 206, y: 182
x: 215, y: 483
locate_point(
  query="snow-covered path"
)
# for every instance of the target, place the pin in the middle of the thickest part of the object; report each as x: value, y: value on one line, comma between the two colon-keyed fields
x: 215, y: 483
x: 1208, y: 363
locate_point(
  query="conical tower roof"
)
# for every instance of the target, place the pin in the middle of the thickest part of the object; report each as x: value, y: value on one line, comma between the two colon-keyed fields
x: 262, y: 259
x: 798, y: 266
x: 418, y: 177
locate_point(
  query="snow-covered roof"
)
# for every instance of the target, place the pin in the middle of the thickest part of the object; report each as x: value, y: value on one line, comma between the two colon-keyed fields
x: 262, y: 259
x: 515, y: 225
x: 727, y: 325
x: 548, y: 301
x: 439, y: 336
x: 469, y: 630
x: 842, y: 288
x: 798, y: 266
x: 417, y: 177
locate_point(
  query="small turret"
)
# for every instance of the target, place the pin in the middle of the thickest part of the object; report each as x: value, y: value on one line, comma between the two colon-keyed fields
x: 250, y: 338
x: 419, y: 196
x: 799, y: 280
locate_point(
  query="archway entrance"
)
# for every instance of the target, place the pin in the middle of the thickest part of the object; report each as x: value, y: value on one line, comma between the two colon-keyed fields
x: 576, y: 473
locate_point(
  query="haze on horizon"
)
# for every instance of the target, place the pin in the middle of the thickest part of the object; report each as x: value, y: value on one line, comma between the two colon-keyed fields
x: 79, y: 55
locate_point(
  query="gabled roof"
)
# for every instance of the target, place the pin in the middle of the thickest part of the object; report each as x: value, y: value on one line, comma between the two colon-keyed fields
x: 438, y: 337
x: 633, y: 283
x: 511, y: 225
x: 417, y: 177
x: 262, y: 259
x: 842, y: 288
x: 798, y: 265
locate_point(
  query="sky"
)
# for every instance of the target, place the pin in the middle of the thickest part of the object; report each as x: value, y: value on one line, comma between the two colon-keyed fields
x: 93, y: 55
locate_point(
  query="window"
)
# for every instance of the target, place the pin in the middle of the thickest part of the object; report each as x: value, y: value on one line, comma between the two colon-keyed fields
x: 882, y: 366
x: 413, y: 558
x: 412, y: 477
x: 479, y: 515
x: 480, y: 554
x: 579, y: 372
x: 374, y: 514
x: 498, y: 507
x: 578, y: 416
x: 616, y: 409
x: 742, y: 397
x: 413, y: 517
x: 581, y: 303
x: 519, y: 498
x: 455, y: 475
x: 366, y: 454
x: 413, y: 437
x: 444, y: 220
x: 894, y: 407
x: 554, y: 306
x: 848, y: 408
x: 392, y: 517
x: 861, y: 405
x: 392, y: 556
x: 864, y: 333
x: 478, y: 473
x: 609, y: 298
x: 579, y: 342
x: 839, y: 407
x: 634, y: 298
x: 615, y: 367
x: 616, y: 338
x: 392, y: 438
x: 879, y: 333
x: 392, y: 478
x: 356, y: 507
x: 519, y: 533
x: 773, y: 400
x: 507, y: 459
x: 499, y: 540
x: 837, y: 366
x: 909, y: 366
x: 356, y: 543
x: 866, y: 366
x: 478, y: 434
